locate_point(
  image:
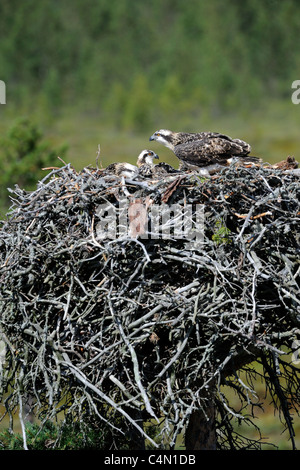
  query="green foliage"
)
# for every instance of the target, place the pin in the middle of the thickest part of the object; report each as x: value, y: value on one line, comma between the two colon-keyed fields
x: 171, y: 94
x: 23, y: 154
x: 70, y: 435
x: 166, y: 56
x: 222, y: 233
x: 51, y: 436
x: 136, y: 114
x: 67, y: 436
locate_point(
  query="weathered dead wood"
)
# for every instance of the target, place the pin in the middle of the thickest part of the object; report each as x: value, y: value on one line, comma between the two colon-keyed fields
x: 114, y: 325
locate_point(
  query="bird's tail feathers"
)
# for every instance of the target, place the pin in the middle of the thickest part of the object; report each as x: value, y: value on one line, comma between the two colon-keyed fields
x: 252, y: 158
x: 241, y: 159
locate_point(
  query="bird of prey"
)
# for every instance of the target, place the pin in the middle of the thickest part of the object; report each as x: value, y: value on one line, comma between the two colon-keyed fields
x: 163, y: 169
x: 145, y: 162
x: 127, y: 170
x: 203, y: 149
x: 148, y: 168
x: 289, y: 164
x: 123, y: 169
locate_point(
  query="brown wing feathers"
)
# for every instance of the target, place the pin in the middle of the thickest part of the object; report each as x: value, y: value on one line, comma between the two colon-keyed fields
x: 208, y: 150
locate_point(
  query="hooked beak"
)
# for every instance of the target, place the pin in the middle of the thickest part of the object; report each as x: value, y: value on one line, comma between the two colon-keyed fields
x: 152, y: 137
x: 156, y: 156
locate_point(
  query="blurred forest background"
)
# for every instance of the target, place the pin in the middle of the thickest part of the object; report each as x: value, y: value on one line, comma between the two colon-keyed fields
x: 111, y: 72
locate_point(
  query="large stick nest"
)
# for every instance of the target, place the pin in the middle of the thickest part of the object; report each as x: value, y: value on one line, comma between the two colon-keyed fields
x: 111, y: 327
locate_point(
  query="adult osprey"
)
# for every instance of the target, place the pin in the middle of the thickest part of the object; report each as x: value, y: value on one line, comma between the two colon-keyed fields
x: 127, y: 170
x: 204, y: 148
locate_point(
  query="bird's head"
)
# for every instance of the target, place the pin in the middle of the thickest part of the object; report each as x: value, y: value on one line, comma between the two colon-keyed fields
x: 165, y: 137
x: 146, y: 157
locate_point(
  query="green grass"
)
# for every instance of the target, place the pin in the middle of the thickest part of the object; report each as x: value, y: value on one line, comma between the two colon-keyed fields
x: 272, y: 137
x: 272, y: 130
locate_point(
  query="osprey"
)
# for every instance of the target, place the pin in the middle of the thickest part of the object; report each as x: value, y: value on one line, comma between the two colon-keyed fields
x: 204, y: 148
x: 144, y: 166
x: 289, y: 164
x: 122, y: 169
x: 145, y: 162
x: 146, y: 157
x: 148, y: 168
x: 163, y: 169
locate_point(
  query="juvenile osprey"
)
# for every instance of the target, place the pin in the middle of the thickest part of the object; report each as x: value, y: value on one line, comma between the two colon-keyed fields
x: 127, y: 170
x: 122, y: 169
x: 163, y: 169
x: 145, y: 162
x: 289, y: 164
x: 204, y: 148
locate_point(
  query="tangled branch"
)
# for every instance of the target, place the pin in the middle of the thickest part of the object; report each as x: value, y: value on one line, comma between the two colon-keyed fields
x: 150, y: 325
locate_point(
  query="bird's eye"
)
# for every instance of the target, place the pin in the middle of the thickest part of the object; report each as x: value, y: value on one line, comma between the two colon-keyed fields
x: 158, y: 134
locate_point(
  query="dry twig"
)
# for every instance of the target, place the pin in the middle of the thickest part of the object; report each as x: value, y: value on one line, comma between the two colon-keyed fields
x: 106, y: 326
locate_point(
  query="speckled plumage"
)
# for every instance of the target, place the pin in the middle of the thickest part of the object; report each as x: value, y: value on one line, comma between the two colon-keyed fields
x: 203, y: 148
x: 145, y: 162
x: 163, y: 169
x: 127, y: 170
x: 289, y: 164
x: 121, y: 169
